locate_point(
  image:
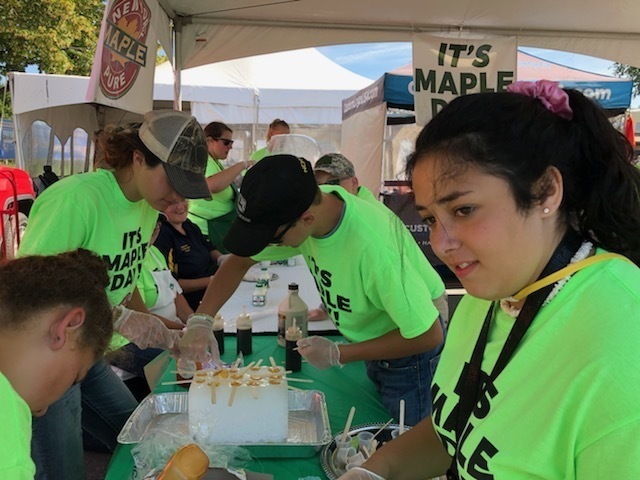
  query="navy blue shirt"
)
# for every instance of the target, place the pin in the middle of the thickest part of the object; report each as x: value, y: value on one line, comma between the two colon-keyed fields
x: 188, y: 256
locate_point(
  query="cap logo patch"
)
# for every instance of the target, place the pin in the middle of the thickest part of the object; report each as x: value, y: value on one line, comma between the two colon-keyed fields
x: 303, y: 165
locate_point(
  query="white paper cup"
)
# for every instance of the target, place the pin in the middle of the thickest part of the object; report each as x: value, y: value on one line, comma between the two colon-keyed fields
x: 355, y: 460
x: 395, y: 433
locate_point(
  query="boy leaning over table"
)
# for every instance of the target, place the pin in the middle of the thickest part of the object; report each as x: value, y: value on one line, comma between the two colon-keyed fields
x: 378, y: 287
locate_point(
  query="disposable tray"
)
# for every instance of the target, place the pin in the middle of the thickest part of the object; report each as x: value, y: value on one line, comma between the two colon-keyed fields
x: 327, y: 456
x: 309, y: 428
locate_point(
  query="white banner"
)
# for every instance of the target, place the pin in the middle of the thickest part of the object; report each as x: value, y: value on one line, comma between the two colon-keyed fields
x: 125, y: 60
x: 445, y: 68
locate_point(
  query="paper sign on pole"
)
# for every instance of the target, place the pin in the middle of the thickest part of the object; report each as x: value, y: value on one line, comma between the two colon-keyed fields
x: 125, y: 59
x: 445, y: 68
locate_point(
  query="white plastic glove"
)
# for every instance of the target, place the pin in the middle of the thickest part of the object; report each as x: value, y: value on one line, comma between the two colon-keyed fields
x: 222, y: 258
x: 143, y: 329
x: 359, y: 473
x: 320, y: 352
x: 198, y: 343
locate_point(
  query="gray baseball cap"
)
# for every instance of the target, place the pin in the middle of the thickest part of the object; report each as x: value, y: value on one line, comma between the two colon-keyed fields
x: 335, y: 164
x: 178, y: 140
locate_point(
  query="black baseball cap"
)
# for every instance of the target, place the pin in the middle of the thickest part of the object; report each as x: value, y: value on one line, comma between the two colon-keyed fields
x: 275, y: 191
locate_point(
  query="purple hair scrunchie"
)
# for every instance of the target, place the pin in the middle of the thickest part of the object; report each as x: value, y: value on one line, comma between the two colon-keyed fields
x: 549, y: 93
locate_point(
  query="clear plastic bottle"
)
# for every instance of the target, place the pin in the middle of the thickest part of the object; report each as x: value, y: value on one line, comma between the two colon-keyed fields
x: 265, y: 275
x: 292, y: 307
x: 244, y: 327
x: 259, y: 296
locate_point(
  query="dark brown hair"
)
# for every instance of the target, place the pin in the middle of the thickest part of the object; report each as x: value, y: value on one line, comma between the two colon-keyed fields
x: 115, y: 146
x: 33, y: 285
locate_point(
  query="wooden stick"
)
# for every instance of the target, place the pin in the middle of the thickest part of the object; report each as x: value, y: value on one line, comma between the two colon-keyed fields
x: 295, y: 389
x: 273, y: 362
x: 237, y: 362
x: 401, y: 417
x: 182, y: 372
x: 177, y: 382
x: 303, y: 380
x: 257, y: 365
x: 213, y: 392
x: 381, y: 429
x: 234, y: 389
x: 347, y: 425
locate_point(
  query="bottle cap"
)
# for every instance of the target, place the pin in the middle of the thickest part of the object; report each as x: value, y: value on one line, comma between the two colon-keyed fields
x: 293, y: 286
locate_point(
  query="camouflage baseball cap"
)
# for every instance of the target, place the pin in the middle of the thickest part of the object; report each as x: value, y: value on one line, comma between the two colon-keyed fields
x: 335, y: 164
x: 178, y: 140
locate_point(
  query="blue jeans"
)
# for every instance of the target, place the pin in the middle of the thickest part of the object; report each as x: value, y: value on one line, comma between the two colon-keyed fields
x: 101, y: 404
x: 407, y: 378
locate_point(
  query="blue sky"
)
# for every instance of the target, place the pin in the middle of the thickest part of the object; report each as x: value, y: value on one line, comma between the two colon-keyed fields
x: 373, y: 59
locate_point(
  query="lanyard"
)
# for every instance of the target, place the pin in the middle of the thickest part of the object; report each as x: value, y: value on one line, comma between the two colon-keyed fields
x: 470, y: 377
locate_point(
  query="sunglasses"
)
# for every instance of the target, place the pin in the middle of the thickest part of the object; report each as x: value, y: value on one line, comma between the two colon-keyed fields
x: 334, y: 181
x: 226, y: 141
x: 277, y: 240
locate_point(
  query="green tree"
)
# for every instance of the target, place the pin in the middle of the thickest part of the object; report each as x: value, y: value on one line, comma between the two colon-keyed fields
x: 59, y: 36
x: 622, y: 70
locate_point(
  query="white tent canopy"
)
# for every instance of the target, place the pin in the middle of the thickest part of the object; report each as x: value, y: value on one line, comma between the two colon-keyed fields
x: 301, y: 86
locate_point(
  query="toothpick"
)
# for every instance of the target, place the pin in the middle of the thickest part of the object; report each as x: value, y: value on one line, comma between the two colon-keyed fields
x: 347, y: 425
x: 177, y: 382
x: 273, y: 362
x: 381, y: 429
x: 401, y: 417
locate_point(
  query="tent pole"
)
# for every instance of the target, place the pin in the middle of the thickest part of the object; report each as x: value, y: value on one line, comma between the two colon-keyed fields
x: 177, y: 63
x: 256, y: 120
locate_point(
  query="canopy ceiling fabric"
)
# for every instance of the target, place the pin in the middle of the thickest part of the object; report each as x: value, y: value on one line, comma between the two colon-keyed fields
x: 226, y: 29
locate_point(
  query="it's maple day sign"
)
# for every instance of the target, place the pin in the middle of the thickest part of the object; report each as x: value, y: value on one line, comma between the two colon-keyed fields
x: 124, y: 46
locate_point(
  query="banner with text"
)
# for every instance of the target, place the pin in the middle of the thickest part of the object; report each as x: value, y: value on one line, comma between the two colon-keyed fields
x: 125, y: 59
x: 445, y: 68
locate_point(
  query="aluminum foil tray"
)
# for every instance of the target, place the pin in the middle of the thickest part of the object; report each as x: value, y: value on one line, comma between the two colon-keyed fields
x: 327, y: 460
x: 309, y: 428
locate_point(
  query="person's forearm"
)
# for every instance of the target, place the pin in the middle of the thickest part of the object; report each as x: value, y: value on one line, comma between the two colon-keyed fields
x: 224, y: 283
x: 415, y: 455
x: 194, y: 284
x: 392, y: 345
x: 221, y: 180
x: 182, y: 308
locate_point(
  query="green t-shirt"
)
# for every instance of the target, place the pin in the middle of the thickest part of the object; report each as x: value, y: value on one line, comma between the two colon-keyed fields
x: 567, y: 405
x: 370, y: 273
x: 15, y: 441
x: 259, y: 154
x: 221, y: 203
x: 365, y: 194
x: 90, y: 211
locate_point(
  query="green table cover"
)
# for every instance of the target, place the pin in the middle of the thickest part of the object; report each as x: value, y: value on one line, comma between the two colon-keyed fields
x: 343, y: 388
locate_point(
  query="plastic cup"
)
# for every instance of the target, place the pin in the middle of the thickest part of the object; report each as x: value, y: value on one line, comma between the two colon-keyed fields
x: 364, y: 440
x: 345, y: 444
x: 395, y: 433
x: 343, y: 454
x: 356, y: 460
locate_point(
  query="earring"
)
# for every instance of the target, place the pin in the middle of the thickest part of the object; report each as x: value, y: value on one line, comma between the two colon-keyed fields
x: 545, y: 210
